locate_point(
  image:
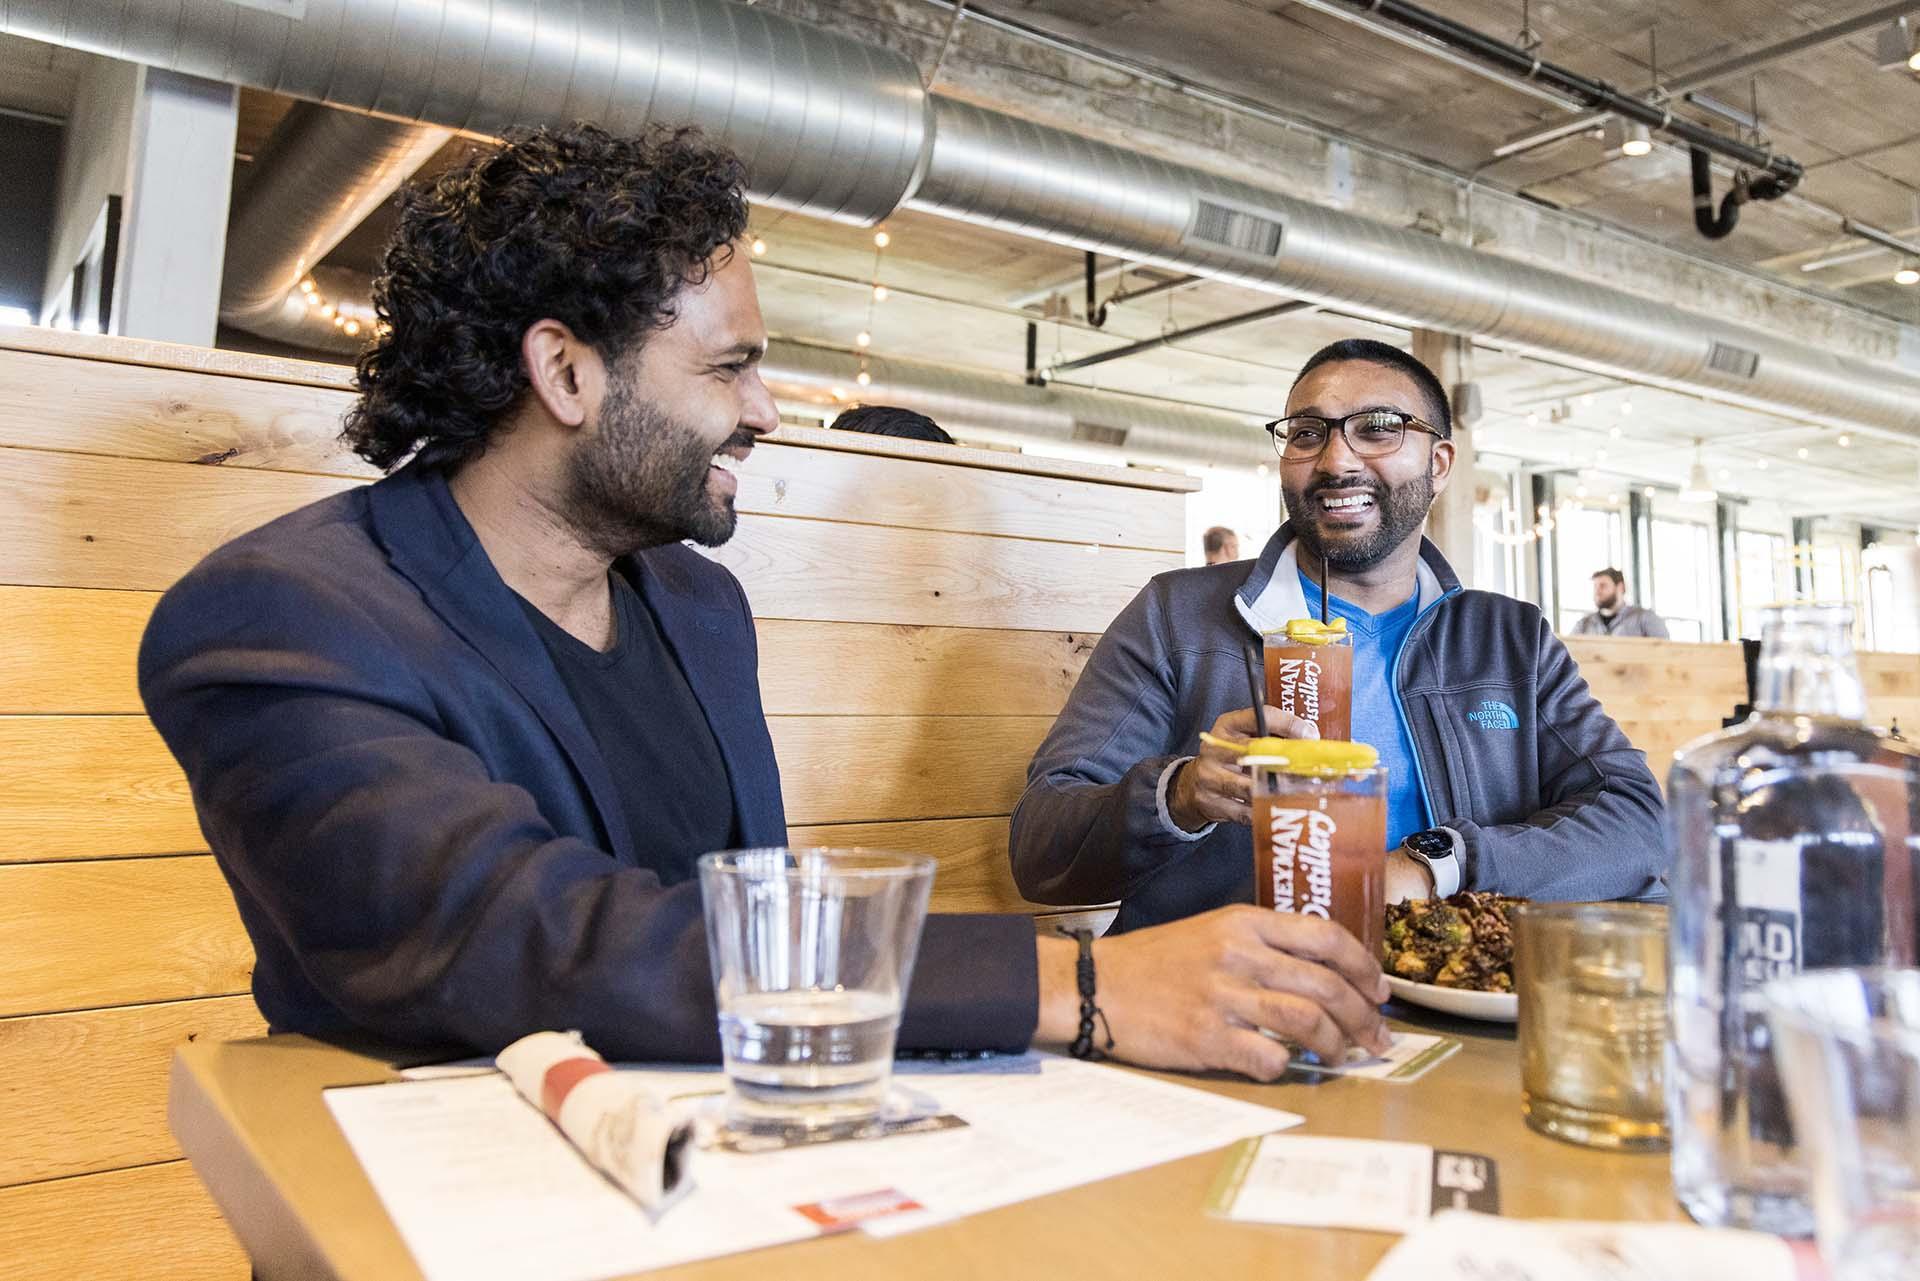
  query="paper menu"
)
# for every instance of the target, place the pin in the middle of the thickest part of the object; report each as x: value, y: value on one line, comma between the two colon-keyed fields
x: 482, y: 1187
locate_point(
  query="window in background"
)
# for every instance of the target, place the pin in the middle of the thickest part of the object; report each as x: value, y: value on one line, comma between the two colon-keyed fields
x: 1497, y: 535
x: 1244, y: 501
x: 1836, y: 567
x: 1764, y: 566
x: 1890, y: 591
x: 1586, y: 540
x: 1685, y: 581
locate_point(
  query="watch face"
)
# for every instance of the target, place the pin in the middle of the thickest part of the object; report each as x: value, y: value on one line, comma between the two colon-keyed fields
x: 1431, y: 844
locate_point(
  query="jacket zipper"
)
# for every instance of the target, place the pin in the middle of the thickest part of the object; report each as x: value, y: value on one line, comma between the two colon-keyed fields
x: 1400, y: 706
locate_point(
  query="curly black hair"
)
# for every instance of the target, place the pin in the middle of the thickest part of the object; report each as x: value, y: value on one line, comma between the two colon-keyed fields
x: 597, y: 231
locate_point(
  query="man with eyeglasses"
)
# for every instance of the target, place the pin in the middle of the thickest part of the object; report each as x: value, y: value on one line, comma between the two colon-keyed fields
x: 1504, y: 772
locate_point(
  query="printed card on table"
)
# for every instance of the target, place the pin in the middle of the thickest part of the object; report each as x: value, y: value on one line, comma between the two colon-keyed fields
x: 1411, y: 1056
x: 1364, y: 1184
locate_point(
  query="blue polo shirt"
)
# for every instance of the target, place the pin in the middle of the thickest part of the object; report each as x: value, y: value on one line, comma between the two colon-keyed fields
x: 1377, y: 641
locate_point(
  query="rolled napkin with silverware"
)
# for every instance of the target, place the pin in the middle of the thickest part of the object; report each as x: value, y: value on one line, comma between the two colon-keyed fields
x: 623, y: 1129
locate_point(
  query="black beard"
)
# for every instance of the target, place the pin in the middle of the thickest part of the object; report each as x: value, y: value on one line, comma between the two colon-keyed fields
x: 641, y: 480
x: 1402, y: 510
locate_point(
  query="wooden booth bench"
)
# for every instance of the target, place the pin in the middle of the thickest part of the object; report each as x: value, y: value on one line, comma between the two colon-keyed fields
x: 923, y: 611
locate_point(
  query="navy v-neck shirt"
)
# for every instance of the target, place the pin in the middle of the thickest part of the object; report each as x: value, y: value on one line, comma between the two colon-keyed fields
x: 652, y: 732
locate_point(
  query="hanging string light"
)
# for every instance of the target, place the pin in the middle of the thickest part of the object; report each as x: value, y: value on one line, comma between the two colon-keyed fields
x: 350, y: 318
x: 864, y: 339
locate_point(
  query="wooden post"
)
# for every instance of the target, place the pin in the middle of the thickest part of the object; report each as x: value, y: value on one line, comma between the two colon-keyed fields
x: 1450, y: 522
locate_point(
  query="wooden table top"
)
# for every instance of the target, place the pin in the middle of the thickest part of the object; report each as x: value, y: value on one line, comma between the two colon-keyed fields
x: 250, y: 1116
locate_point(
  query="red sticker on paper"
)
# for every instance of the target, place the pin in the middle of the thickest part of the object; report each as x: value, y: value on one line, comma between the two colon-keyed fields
x: 837, y: 1214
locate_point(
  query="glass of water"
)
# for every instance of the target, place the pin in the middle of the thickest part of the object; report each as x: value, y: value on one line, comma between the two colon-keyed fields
x: 812, y: 952
x: 1847, y: 1042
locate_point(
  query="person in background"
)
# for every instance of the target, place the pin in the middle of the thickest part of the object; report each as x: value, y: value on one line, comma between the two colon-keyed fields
x: 457, y: 738
x: 891, y: 420
x: 1220, y: 544
x: 1613, y: 615
x: 1504, y: 773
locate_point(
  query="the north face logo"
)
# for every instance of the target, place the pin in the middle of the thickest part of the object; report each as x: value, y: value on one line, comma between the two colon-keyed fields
x: 1494, y: 714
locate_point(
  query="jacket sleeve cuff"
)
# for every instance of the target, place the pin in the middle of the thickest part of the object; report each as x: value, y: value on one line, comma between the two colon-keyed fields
x: 1172, y: 828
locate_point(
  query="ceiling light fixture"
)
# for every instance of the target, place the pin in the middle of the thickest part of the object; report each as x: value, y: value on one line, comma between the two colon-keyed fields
x: 1909, y: 273
x: 1626, y: 138
x: 1843, y: 440
x: 759, y: 247
x: 1699, y: 488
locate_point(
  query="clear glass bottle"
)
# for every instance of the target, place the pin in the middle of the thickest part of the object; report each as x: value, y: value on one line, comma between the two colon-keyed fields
x: 1793, y: 842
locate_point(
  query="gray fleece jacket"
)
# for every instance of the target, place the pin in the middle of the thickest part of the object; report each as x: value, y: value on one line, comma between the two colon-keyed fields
x: 1514, y: 753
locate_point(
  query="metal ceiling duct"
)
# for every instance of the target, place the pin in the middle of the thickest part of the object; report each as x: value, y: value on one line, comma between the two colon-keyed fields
x: 319, y: 175
x: 981, y: 407
x: 839, y: 129
x: 827, y: 126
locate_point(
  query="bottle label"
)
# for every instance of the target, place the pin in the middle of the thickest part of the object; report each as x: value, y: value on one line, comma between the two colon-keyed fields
x: 1767, y: 909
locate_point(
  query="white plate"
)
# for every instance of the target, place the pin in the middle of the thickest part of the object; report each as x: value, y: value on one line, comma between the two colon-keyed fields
x: 1491, y: 1007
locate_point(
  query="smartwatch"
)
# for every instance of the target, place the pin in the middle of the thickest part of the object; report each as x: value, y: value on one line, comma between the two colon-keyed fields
x: 1440, y: 849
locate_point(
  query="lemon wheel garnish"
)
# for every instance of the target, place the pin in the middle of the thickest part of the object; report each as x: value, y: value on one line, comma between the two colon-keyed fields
x: 1316, y: 756
x: 1311, y: 631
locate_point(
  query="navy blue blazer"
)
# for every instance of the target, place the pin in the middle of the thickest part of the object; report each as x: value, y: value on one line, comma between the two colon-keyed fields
x: 422, y: 838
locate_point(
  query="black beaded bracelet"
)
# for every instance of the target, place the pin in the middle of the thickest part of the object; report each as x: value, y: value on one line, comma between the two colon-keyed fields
x: 1083, y: 1046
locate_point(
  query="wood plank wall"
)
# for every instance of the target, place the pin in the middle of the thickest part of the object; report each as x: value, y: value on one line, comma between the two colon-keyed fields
x: 939, y: 601
x: 935, y: 602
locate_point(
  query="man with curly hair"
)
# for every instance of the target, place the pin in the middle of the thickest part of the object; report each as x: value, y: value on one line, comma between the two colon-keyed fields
x: 457, y: 737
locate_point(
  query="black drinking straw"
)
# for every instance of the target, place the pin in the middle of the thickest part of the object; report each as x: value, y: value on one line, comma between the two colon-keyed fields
x: 1323, y: 591
x: 1259, y: 694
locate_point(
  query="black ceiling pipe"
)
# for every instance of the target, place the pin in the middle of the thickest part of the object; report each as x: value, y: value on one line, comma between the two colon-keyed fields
x: 1096, y: 310
x: 1784, y: 171
x: 1703, y: 217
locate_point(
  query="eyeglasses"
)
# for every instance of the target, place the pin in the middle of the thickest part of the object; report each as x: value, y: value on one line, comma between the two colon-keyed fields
x: 1371, y: 433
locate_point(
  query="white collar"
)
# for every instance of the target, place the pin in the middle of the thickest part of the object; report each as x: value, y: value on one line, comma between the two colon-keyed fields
x: 1282, y: 599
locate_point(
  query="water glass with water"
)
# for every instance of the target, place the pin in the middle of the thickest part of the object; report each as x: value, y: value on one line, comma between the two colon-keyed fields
x: 1847, y: 1043
x: 812, y: 952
